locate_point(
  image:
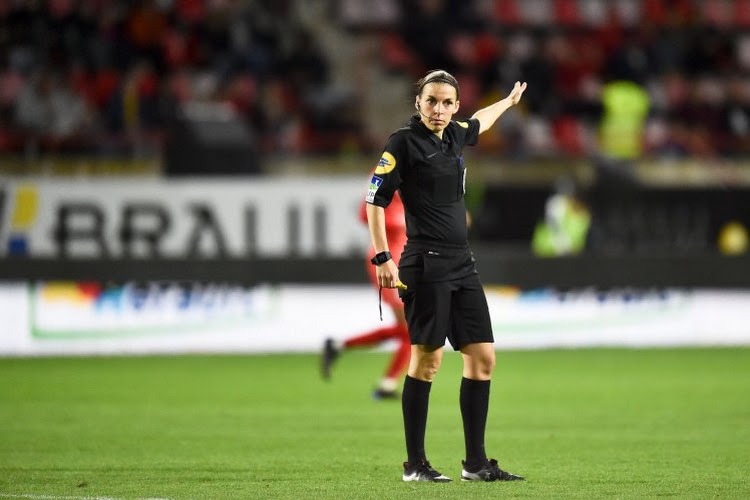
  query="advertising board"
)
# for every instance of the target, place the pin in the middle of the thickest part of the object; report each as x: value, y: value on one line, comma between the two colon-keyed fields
x: 151, y: 218
x: 84, y: 318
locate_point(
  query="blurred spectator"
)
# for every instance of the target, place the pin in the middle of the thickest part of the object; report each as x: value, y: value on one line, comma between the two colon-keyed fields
x: 131, y: 107
x: 51, y: 115
x: 33, y: 109
x: 571, y: 48
x: 735, y: 120
x: 131, y: 62
x: 146, y: 29
x: 426, y: 29
x: 626, y: 106
x: 565, y: 225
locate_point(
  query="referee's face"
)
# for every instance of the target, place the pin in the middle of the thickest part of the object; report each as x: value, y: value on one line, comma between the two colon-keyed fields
x: 436, y: 105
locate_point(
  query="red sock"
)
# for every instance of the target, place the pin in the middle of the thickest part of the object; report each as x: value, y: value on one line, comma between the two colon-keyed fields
x: 400, y: 359
x: 375, y: 337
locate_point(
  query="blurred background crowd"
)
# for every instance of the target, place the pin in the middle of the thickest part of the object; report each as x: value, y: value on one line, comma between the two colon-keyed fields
x: 627, y: 78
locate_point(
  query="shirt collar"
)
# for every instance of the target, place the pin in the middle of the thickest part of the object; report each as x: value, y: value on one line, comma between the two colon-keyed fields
x: 416, y: 123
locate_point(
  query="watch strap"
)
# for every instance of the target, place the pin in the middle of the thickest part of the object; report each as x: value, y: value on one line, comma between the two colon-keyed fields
x: 381, y: 258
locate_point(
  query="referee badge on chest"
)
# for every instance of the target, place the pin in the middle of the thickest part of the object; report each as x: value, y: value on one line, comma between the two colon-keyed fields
x: 374, y: 185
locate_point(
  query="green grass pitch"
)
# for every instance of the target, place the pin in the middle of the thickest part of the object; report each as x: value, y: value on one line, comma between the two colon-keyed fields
x: 577, y: 423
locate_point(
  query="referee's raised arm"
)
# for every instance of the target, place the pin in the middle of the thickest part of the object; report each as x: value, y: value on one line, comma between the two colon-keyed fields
x: 489, y: 115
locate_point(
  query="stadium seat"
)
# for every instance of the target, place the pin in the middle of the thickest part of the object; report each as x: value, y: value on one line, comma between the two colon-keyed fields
x: 741, y: 13
x: 567, y: 13
x: 507, y: 12
x: 567, y: 132
x: 395, y: 54
x: 716, y: 12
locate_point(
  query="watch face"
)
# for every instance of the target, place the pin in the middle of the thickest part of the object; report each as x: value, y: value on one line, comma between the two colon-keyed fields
x: 381, y: 258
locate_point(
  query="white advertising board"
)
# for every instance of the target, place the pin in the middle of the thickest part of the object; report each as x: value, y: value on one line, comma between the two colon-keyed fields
x: 83, y: 319
x: 92, y: 218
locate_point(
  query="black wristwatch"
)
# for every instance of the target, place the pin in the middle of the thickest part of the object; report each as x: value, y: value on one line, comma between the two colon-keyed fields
x: 381, y: 258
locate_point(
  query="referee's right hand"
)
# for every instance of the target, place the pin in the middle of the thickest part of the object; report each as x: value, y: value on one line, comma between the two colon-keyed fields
x: 387, y: 274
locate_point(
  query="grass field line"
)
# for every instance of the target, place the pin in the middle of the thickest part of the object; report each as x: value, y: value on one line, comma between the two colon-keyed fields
x: 63, y: 497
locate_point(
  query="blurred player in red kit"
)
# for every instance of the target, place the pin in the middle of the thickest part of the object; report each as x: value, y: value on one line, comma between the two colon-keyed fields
x: 395, y: 227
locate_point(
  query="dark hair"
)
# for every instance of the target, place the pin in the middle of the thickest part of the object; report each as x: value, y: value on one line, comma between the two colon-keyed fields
x: 437, y: 76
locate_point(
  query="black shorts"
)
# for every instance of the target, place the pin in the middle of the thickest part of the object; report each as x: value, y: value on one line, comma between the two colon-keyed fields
x: 444, y: 298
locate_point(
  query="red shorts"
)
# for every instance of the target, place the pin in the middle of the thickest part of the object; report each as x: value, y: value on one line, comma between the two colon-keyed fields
x: 396, y: 246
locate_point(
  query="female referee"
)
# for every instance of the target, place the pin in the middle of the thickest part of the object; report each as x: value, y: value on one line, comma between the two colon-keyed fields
x: 443, y: 298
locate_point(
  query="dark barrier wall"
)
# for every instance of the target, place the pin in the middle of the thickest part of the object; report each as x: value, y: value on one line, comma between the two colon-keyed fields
x: 495, y: 266
x: 625, y: 220
x: 210, y: 140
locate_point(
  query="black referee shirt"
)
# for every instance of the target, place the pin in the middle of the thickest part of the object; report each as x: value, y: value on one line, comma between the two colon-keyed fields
x: 431, y: 178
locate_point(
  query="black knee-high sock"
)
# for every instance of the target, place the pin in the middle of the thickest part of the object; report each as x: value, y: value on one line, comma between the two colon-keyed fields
x: 475, y: 400
x: 414, y: 402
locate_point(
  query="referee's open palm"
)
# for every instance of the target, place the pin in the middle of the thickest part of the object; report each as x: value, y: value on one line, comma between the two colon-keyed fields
x: 517, y: 92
